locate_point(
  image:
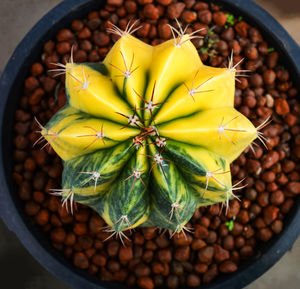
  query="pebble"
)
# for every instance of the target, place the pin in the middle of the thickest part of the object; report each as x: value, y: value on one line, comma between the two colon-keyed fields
x: 99, y: 260
x: 64, y: 35
x: 164, y: 31
x: 265, y: 234
x: 125, y: 253
x: 58, y: 235
x: 157, y: 268
x: 220, y: 254
x: 174, y: 10
x: 42, y: 217
x: 80, y: 229
x: 269, y: 76
x: 228, y: 267
x: 172, y: 282
x: 269, y: 159
x: 193, y: 280
x: 37, y: 69
x: 142, y: 270
x: 277, y: 226
x: 294, y: 187
x: 101, y: 39
x: 182, y: 254
x: 201, y: 268
x: 210, y: 274
x: 164, y: 256
x: 80, y: 260
x: 32, y: 208
x: 228, y: 242
x: 145, y: 282
x: 219, y: 18
x: 206, y: 254
x: 188, y: 16
x: 281, y: 106
x: 270, y: 214
x: 205, y: 16
x: 151, y: 11
x: 242, y: 28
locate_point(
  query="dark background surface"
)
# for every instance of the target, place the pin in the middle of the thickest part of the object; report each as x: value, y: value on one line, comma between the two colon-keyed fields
x: 18, y: 270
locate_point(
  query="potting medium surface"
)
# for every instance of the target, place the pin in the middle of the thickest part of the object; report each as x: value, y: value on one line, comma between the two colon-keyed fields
x: 33, y: 282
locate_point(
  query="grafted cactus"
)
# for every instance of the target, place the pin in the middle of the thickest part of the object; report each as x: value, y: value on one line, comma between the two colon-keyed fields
x: 148, y: 135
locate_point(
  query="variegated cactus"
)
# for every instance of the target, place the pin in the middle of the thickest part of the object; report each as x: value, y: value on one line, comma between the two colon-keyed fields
x: 148, y: 135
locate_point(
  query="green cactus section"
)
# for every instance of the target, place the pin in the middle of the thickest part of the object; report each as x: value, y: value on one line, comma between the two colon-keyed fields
x: 148, y: 135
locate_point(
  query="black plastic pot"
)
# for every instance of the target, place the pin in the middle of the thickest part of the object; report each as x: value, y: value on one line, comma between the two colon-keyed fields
x: 11, y: 86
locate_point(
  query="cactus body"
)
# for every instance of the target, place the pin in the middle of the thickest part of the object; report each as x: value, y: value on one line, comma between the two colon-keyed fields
x: 148, y: 135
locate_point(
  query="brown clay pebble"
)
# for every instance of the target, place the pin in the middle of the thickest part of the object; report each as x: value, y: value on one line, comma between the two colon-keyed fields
x: 228, y: 267
x: 294, y: 187
x: 172, y: 282
x: 246, y: 252
x: 265, y: 234
x: 99, y: 260
x: 201, y: 268
x: 64, y: 35
x: 193, y: 280
x: 42, y: 217
x: 200, y: 232
x: 151, y: 12
x: 125, y: 253
x: 228, y: 242
x: 80, y: 229
x: 101, y: 39
x: 175, y: 10
x: 269, y: 76
x: 277, y: 226
x: 142, y: 270
x: 80, y: 260
x: 189, y: 16
x: 31, y: 208
x: 220, y: 254
x: 95, y: 224
x: 37, y: 69
x: 157, y: 268
x: 205, y: 254
x: 281, y: 106
x: 145, y: 282
x: 219, y: 18
x: 270, y: 214
x: 165, y: 255
x: 164, y: 2
x: 205, y: 16
x: 113, y: 266
x: 182, y: 254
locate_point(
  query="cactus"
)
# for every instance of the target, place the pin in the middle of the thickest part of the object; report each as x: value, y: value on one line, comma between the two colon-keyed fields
x: 148, y: 135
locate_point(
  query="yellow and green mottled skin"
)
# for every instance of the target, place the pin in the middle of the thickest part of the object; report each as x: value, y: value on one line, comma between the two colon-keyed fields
x: 187, y: 139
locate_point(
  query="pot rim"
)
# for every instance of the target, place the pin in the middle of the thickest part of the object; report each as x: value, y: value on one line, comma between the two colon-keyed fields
x: 39, y: 246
